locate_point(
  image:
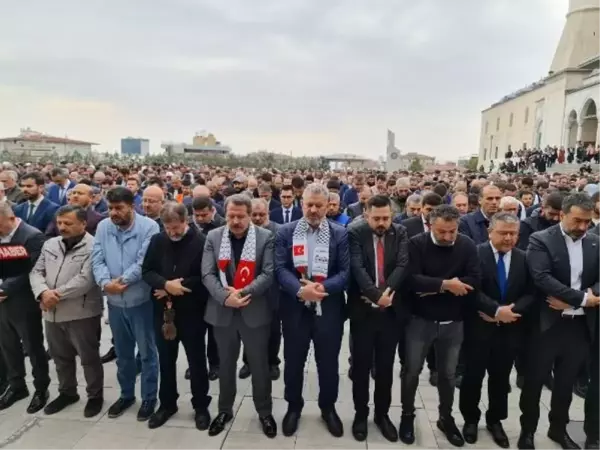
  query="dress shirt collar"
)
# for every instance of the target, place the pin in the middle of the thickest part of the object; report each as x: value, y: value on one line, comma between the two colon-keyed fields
x: 569, y: 238
x: 37, y: 201
x: 496, y: 252
x: 12, y: 233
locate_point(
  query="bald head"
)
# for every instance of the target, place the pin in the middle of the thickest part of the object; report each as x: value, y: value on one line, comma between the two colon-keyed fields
x: 152, y: 201
x: 201, y: 191
x: 81, y: 195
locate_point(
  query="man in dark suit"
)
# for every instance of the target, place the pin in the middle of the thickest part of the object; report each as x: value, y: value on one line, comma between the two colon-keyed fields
x: 20, y: 315
x: 592, y: 416
x: 312, y: 264
x: 475, y: 225
x: 356, y: 210
x: 564, y: 264
x: 378, y: 263
x: 37, y: 210
x: 416, y: 225
x: 81, y: 195
x: 237, y: 270
x: 57, y: 192
x: 287, y: 212
x: 492, y: 331
x: 266, y: 191
x: 549, y: 216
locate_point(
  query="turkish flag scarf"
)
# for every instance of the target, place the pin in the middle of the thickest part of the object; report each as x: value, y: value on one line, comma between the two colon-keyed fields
x: 244, y: 273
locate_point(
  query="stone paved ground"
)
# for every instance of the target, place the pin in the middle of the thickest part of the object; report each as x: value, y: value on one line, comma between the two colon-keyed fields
x: 69, y: 429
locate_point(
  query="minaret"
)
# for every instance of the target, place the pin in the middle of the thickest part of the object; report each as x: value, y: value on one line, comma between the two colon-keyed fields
x: 580, y: 40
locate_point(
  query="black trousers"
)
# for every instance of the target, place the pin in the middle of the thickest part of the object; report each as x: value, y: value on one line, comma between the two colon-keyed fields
x: 191, y: 330
x: 490, y: 348
x: 212, y: 353
x: 564, y: 346
x: 592, y: 417
x: 375, y: 335
x: 274, y: 342
x: 16, y: 334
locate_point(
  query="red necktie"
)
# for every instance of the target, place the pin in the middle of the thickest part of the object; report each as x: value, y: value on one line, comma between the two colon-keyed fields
x: 380, y: 262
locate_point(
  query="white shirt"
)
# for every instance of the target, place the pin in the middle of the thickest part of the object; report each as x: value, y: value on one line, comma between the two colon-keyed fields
x: 289, y: 216
x: 425, y: 226
x: 575, y: 250
x: 63, y: 189
x: 36, y: 204
x: 8, y: 238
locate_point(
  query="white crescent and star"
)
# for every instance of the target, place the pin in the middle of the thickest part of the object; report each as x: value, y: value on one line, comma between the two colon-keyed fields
x: 244, y: 275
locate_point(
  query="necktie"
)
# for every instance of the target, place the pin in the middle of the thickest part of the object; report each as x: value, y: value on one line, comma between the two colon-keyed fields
x: 501, y: 273
x: 287, y: 216
x: 380, y: 263
x: 30, y: 213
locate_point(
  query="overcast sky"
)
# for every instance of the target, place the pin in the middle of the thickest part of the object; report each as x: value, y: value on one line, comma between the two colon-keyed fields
x: 307, y: 76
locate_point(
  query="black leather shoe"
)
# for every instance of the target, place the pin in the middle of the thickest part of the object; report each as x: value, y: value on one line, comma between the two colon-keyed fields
x: 520, y: 381
x: 213, y: 373
x: 406, y: 430
x: 202, y: 419
x: 146, y: 410
x: 289, y: 425
x: 160, y: 417
x: 333, y: 422
x: 433, y: 378
x: 3, y: 387
x: 38, y: 401
x: 218, y: 424
x: 563, y: 439
x: 449, y: 428
x: 119, y: 407
x: 470, y: 433
x: 269, y: 426
x: 360, y: 428
x: 244, y: 372
x: 60, y: 403
x: 498, y: 434
x: 387, y: 428
x: 592, y: 443
x: 526, y: 441
x: 93, y: 407
x: 187, y: 374
x: 110, y: 355
x: 580, y: 389
x: 275, y: 373
x: 11, y: 396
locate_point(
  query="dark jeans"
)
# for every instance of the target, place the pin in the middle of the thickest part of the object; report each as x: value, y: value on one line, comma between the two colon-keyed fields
x: 190, y: 332
x: 447, y: 339
x: 565, y: 345
x: 402, y: 350
x: 274, y: 342
x: 376, y: 336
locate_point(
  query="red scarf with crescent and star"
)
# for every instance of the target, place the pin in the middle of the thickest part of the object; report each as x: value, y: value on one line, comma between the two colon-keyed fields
x: 244, y: 273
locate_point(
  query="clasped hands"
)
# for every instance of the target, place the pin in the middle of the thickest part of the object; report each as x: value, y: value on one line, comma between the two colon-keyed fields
x: 172, y: 287
x: 456, y: 287
x: 115, y: 287
x: 235, y: 299
x: 311, y: 291
x: 558, y: 305
x: 49, y: 299
x: 385, y: 301
x: 504, y: 314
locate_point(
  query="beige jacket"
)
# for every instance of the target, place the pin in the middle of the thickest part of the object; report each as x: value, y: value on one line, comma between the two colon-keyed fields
x: 70, y: 273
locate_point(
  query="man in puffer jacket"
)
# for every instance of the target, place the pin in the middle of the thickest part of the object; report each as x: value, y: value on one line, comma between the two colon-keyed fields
x: 71, y: 301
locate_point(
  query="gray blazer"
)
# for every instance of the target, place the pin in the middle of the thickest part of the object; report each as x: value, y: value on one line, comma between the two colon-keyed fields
x: 259, y: 310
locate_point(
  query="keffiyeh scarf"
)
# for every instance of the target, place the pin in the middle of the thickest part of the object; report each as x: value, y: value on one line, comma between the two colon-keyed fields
x: 244, y: 273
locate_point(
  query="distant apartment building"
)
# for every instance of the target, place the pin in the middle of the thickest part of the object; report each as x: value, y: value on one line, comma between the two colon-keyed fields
x: 135, y: 146
x: 201, y: 145
x: 35, y: 145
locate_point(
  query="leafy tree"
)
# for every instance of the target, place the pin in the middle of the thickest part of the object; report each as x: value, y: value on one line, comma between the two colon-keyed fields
x: 472, y: 164
x: 415, y: 165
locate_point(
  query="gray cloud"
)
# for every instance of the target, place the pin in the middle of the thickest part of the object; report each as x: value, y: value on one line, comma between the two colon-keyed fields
x: 301, y: 75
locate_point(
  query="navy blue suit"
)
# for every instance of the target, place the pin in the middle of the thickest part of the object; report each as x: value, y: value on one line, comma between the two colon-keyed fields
x: 277, y: 215
x: 475, y: 226
x: 274, y: 204
x: 54, y: 194
x: 42, y: 217
x: 301, y: 324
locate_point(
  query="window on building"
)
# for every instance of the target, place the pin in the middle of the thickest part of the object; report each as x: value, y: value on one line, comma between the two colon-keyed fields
x: 496, y: 153
x: 510, y: 120
x: 498, y: 124
x: 484, y: 154
x: 486, y: 126
x: 526, y: 115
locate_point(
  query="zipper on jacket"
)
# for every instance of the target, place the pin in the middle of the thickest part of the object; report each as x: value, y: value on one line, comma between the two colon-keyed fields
x: 83, y: 304
x: 57, y: 275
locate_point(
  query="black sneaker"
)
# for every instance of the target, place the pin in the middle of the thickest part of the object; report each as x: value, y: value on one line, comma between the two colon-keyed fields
x: 120, y: 406
x: 60, y: 403
x: 146, y: 410
x: 93, y: 407
x: 202, y: 419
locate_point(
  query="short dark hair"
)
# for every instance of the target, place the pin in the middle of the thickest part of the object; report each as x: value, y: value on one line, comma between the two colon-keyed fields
x: 297, y: 182
x: 58, y: 172
x: 440, y: 189
x: 287, y: 187
x: 80, y: 213
x: 120, y: 194
x: 199, y: 203
x: 431, y: 199
x: 444, y: 212
x: 554, y: 200
x: 580, y: 200
x: 35, y: 176
x: 333, y: 184
x: 155, y: 181
x: 527, y: 181
x: 379, y: 201
x: 542, y: 184
x: 267, y: 177
x: 381, y: 177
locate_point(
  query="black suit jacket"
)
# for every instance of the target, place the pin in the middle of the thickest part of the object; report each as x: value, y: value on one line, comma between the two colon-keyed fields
x: 362, y: 266
x: 414, y: 225
x: 548, y: 260
x: 520, y: 289
x: 17, y: 288
x: 354, y: 210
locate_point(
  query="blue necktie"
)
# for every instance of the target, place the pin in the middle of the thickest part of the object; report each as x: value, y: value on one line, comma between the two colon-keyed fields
x: 287, y: 216
x: 501, y: 273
